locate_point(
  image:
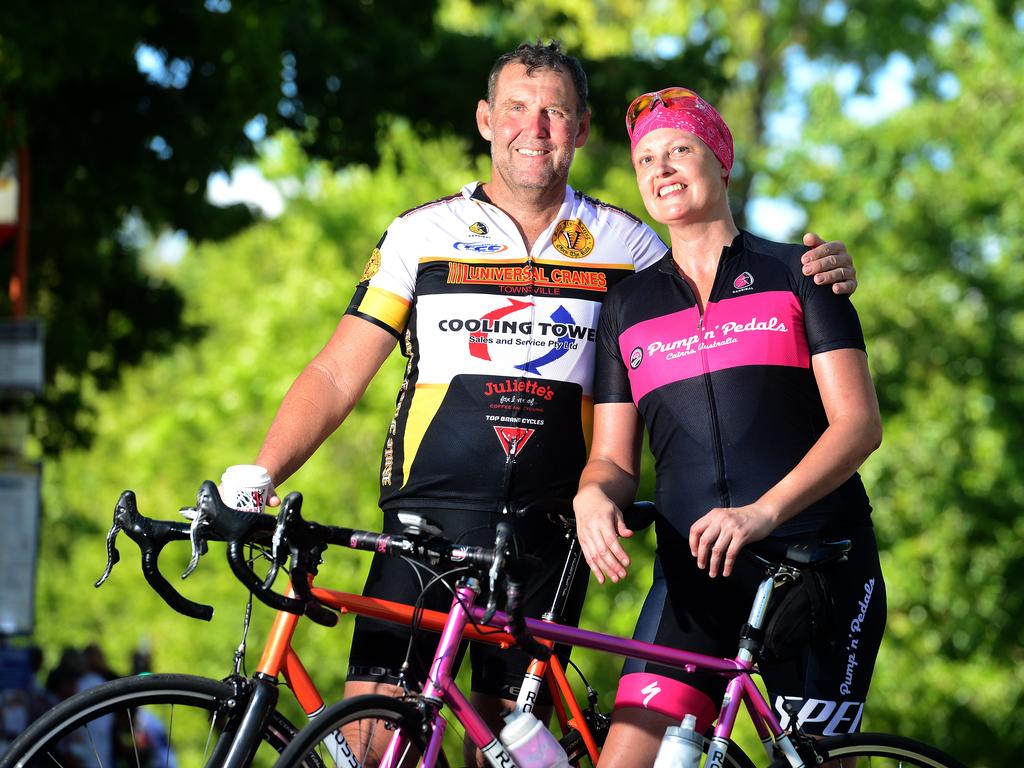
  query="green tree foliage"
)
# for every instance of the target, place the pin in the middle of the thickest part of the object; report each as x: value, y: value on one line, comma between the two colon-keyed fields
x: 737, y: 53
x: 110, y: 142
x: 269, y: 298
x: 930, y: 201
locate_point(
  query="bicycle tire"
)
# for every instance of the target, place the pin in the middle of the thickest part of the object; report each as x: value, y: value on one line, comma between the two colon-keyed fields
x: 70, y: 727
x: 881, y: 750
x: 384, y: 712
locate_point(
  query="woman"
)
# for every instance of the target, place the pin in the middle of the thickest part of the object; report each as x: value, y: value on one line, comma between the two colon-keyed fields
x: 753, y: 384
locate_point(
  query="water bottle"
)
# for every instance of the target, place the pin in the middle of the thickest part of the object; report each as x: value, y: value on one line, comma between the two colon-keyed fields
x: 680, y: 747
x: 531, y: 744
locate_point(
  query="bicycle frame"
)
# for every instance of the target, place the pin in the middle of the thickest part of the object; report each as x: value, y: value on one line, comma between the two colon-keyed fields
x: 741, y: 687
x: 280, y: 660
x: 464, y: 615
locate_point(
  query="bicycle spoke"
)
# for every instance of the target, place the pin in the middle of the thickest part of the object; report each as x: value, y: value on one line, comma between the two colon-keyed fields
x: 167, y: 747
x: 170, y: 729
x: 95, y: 749
x: 172, y: 720
x: 135, y: 740
x: 209, y: 737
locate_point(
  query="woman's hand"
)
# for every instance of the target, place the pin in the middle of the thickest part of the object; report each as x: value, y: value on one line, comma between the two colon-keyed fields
x: 717, y: 538
x: 599, y: 525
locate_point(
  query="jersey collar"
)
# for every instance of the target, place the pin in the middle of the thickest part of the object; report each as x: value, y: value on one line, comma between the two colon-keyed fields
x: 729, y: 252
x: 475, y: 191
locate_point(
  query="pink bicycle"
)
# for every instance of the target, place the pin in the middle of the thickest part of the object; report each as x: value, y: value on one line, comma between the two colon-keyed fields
x: 391, y: 732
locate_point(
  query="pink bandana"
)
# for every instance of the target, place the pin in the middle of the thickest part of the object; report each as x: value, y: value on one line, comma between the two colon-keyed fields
x: 683, y: 109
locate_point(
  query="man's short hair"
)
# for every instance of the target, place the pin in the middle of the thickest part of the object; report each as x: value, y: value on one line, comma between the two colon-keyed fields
x: 535, y: 56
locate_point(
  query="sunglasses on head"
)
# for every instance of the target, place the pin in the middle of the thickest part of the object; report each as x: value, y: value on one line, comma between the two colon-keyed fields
x: 670, y: 98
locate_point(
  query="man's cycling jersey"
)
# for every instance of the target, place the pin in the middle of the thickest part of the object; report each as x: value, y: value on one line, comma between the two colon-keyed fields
x: 500, y: 345
x: 728, y: 395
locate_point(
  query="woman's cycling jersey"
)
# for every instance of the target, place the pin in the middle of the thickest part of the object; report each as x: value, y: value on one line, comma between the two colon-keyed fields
x: 728, y: 395
x: 497, y: 401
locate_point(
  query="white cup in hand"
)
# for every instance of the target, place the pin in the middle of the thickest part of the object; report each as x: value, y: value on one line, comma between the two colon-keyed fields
x: 246, y: 487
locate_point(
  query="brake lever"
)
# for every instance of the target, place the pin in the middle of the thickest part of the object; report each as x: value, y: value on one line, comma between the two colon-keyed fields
x: 150, y: 536
x: 294, y: 540
x: 217, y: 521
x: 197, y: 530
x: 120, y: 516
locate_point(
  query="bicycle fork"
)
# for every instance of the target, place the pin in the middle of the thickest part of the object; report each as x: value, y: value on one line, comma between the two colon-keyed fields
x: 236, y: 746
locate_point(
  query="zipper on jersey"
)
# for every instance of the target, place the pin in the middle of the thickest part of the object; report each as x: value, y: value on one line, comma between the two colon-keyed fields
x: 709, y: 391
x: 716, y: 432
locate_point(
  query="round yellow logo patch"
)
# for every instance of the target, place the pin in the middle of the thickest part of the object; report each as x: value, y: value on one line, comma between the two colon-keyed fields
x: 371, y: 266
x: 572, y: 238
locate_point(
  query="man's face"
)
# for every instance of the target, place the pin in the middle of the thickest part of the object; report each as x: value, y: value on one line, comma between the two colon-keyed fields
x: 534, y: 127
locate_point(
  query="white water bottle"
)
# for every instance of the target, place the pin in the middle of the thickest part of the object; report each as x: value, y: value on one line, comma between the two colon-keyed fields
x: 681, y: 746
x: 531, y: 744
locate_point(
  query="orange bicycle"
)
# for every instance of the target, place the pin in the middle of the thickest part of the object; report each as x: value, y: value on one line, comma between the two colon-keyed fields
x: 235, y: 721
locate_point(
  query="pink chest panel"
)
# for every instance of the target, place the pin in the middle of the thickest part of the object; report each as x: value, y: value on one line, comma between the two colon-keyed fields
x: 753, y: 329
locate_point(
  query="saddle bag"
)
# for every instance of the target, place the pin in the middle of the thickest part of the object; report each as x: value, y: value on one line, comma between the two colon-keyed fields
x: 802, y: 618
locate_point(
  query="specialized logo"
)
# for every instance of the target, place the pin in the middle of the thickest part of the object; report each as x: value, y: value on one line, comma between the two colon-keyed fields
x: 743, y: 282
x: 513, y: 439
x: 372, y: 266
x: 651, y: 689
x: 636, y: 357
x: 480, y: 247
x: 572, y: 238
x: 478, y: 228
x: 829, y: 718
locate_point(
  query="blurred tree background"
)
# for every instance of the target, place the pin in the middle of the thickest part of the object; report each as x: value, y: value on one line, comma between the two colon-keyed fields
x: 161, y: 371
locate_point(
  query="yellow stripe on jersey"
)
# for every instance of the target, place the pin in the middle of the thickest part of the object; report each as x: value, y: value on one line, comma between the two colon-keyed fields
x: 425, y: 403
x: 389, y: 308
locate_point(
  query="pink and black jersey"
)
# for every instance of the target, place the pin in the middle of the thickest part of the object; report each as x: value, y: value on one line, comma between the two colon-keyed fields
x: 728, y: 396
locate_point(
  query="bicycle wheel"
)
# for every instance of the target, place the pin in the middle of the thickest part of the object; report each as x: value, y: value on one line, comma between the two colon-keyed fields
x: 367, y: 724
x: 150, y: 721
x: 880, y: 750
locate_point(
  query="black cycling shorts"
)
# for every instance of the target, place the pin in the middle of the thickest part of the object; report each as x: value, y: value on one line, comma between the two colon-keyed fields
x: 826, y: 681
x: 379, y: 648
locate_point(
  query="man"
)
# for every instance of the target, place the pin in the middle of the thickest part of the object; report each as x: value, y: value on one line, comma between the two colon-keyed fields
x: 494, y: 294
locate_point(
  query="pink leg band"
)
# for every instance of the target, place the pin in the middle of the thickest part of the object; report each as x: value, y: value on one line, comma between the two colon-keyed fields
x: 666, y: 696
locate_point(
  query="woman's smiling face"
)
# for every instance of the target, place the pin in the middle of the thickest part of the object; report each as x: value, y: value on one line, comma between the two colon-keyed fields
x: 679, y: 177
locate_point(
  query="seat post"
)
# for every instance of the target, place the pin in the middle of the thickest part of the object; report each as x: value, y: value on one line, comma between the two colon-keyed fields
x: 755, y: 620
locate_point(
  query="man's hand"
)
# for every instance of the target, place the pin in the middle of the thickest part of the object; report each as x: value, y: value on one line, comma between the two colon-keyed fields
x: 271, y: 498
x: 829, y: 263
